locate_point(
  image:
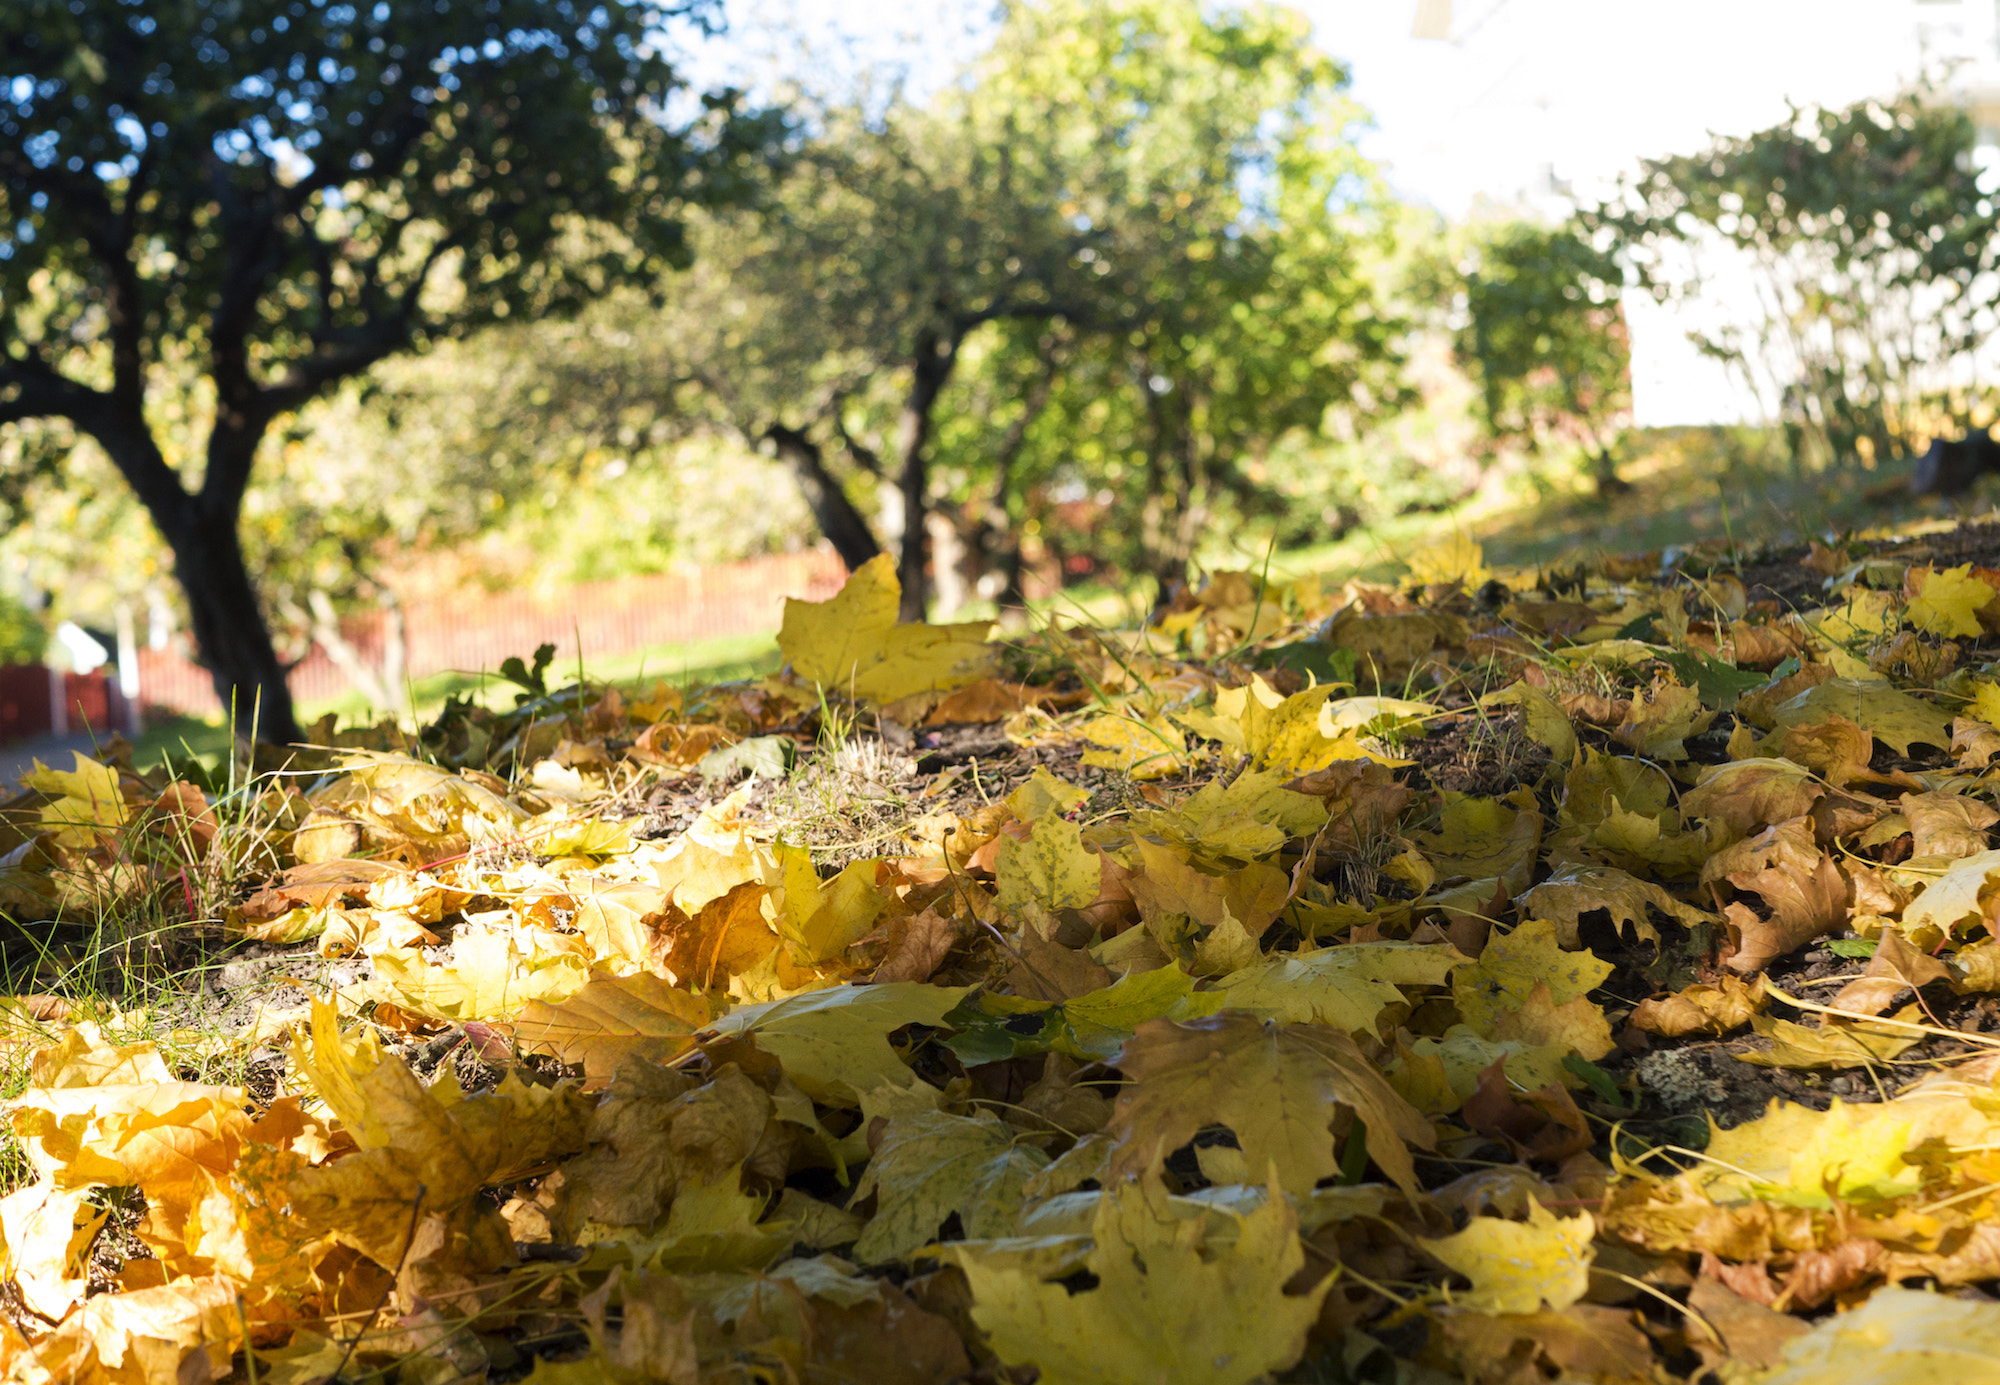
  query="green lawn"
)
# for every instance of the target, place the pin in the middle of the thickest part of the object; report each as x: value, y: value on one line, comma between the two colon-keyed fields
x: 1689, y: 484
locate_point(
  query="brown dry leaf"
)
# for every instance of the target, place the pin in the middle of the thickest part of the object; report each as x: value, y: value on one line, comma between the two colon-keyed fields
x: 978, y: 704
x: 611, y: 1019
x: 1582, y: 1342
x: 1656, y: 725
x: 1836, y: 749
x: 1895, y: 967
x: 678, y: 745
x: 1947, y: 824
x: 1701, y: 1008
x: 1798, y: 883
x: 1575, y: 890
x: 914, y: 946
x: 1752, y: 1333
x: 1363, y: 799
x: 1543, y: 1125
x: 730, y: 934
x: 1278, y: 1086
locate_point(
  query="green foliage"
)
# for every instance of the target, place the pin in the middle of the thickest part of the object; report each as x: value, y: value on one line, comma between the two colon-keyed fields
x: 23, y: 637
x: 1544, y: 339
x: 390, y: 169
x: 1131, y: 251
x: 1235, y: 230
x: 274, y: 195
x: 1873, y: 247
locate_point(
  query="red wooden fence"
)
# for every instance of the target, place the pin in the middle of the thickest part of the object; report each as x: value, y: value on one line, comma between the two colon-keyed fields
x: 474, y: 633
x: 38, y: 701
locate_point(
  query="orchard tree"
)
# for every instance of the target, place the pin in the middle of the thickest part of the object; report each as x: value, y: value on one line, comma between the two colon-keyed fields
x: 1871, y: 242
x: 1238, y: 239
x: 1543, y: 338
x: 277, y: 194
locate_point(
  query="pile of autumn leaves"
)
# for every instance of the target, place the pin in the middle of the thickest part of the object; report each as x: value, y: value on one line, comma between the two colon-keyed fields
x: 1237, y: 1043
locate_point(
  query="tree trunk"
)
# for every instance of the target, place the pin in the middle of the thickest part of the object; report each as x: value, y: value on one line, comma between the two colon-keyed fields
x: 1604, y: 470
x: 1013, y: 598
x: 231, y: 639
x: 229, y: 630
x: 835, y: 514
x: 930, y: 369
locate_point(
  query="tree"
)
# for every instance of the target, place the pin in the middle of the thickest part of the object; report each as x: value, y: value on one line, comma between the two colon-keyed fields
x: 277, y: 194
x: 1871, y: 248
x: 1237, y: 231
x: 1131, y: 225
x: 1544, y: 340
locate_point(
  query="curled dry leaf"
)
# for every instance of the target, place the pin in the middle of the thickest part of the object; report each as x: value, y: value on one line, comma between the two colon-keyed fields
x: 1702, y: 1008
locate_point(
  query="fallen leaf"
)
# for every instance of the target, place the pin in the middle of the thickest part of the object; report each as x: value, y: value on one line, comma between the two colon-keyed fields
x: 1163, y: 1306
x: 1576, y: 890
x: 834, y: 1042
x: 1277, y: 1086
x: 612, y: 1019
x: 1701, y: 1008
x: 1898, y: 1337
x: 1519, y: 1266
x: 930, y: 1165
x: 852, y: 645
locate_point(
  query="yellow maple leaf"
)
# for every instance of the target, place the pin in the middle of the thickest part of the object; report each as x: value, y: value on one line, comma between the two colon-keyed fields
x: 85, y: 805
x: 1948, y: 603
x: 1517, y: 1266
x: 1347, y: 986
x: 931, y: 1164
x: 431, y: 1144
x: 1044, y: 795
x: 1486, y: 838
x: 1143, y: 747
x: 1808, y: 1154
x: 1457, y: 557
x: 1276, y: 1085
x: 1546, y: 723
x: 851, y: 643
x: 1514, y: 967
x: 1964, y: 892
x: 491, y: 974
x: 1898, y: 1337
x: 45, y: 1235
x: 834, y: 1042
x: 614, y: 1018
x: 1165, y: 1305
x: 1051, y: 870
x: 1986, y: 701
x: 822, y: 919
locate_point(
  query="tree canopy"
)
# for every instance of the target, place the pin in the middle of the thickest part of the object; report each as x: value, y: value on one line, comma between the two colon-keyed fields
x: 277, y: 194
x: 1870, y: 249
x: 1544, y: 339
x: 1128, y: 249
